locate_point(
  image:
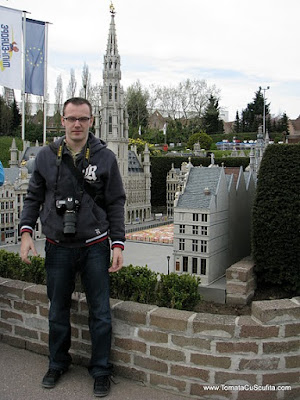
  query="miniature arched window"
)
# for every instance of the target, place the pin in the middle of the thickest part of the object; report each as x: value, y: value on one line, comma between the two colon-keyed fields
x: 110, y: 124
x: 110, y: 92
x: 116, y: 92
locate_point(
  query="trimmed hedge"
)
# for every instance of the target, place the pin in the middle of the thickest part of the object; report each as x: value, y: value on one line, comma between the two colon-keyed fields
x: 138, y: 284
x: 134, y: 284
x: 178, y: 291
x: 142, y: 285
x: 12, y: 267
x: 276, y: 219
x: 160, y: 166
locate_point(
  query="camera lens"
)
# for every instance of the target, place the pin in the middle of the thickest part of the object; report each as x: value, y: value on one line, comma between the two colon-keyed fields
x: 70, y: 223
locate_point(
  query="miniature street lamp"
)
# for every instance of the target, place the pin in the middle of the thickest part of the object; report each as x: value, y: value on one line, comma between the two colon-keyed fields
x: 168, y: 258
x: 264, y: 114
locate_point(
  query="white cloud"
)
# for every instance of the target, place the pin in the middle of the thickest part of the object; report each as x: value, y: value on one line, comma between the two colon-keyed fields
x: 236, y: 45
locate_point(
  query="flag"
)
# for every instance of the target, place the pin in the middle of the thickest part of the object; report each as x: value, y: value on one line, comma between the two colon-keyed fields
x: 34, y: 57
x: 10, y: 48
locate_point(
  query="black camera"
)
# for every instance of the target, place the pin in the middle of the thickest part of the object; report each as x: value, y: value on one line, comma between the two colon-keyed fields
x: 68, y: 207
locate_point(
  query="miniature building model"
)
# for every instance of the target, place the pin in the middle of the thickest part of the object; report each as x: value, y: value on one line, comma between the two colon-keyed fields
x: 175, y: 180
x: 13, y: 192
x: 212, y: 214
x: 135, y: 172
x: 212, y: 222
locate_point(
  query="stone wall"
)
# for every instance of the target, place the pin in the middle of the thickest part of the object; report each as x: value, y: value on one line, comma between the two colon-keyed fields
x: 198, y: 355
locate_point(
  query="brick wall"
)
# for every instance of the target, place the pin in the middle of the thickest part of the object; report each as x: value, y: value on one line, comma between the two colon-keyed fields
x: 240, y: 282
x: 179, y: 351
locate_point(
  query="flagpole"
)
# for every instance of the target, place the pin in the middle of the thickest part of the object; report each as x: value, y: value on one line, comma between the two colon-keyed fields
x: 45, y: 83
x: 23, y: 76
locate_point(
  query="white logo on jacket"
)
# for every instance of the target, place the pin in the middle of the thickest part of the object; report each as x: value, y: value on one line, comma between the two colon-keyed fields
x: 90, y: 173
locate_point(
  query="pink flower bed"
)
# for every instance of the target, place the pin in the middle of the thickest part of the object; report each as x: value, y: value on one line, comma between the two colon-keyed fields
x: 161, y: 234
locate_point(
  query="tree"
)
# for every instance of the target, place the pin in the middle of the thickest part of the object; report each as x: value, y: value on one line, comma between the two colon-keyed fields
x: 184, y: 104
x: 95, y: 94
x: 16, y: 116
x: 188, y: 98
x: 5, y: 118
x: 283, y: 124
x: 136, y: 102
x: 59, y: 95
x: 28, y: 107
x: 237, y: 123
x: 57, y: 122
x: 252, y: 116
x: 140, y: 145
x: 211, y: 121
x: 167, y: 98
x: 184, y: 97
x: 39, y: 103
x: 71, y: 89
x: 202, y: 138
x: 86, y: 82
x: 200, y: 94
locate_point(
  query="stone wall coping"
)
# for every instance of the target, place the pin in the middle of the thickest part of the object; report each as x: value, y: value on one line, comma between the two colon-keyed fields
x: 266, y: 311
x: 276, y: 311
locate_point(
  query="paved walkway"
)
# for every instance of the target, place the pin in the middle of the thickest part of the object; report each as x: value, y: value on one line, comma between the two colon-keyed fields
x: 21, y: 372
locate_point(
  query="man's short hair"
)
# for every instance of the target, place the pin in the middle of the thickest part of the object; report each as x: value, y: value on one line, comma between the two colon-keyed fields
x: 77, y: 101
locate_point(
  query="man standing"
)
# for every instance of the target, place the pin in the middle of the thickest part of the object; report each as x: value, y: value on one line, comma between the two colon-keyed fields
x: 77, y: 191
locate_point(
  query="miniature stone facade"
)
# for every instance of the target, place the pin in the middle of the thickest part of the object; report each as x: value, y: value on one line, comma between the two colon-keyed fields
x: 175, y: 180
x: 212, y: 222
x: 135, y: 171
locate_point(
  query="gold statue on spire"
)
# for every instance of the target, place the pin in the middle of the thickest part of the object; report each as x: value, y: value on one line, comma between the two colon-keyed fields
x: 112, y: 8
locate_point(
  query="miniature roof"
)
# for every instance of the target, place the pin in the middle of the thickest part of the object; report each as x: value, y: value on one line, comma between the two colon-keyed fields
x: 194, y: 195
x: 11, y: 174
x: 133, y: 162
x: 31, y: 151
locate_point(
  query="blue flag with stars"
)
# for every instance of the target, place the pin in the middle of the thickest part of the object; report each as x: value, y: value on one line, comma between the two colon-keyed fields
x: 34, y: 57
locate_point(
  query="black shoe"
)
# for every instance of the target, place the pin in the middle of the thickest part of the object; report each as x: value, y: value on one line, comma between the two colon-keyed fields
x: 102, y: 385
x: 51, y: 378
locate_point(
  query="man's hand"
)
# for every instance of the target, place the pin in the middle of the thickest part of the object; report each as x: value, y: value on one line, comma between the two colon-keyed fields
x: 27, y: 244
x: 117, y: 262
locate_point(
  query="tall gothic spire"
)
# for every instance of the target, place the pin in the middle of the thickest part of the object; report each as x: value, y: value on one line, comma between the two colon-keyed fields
x: 114, y: 120
x: 112, y: 57
x: 114, y: 131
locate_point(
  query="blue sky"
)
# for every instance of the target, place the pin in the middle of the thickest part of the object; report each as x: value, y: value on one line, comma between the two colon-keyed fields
x: 233, y: 44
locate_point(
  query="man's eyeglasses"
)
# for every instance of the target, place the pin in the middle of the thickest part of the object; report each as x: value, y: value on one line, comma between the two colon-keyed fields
x: 80, y: 120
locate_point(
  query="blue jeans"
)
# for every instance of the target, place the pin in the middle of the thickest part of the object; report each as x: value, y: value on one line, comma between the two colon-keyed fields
x: 62, y: 264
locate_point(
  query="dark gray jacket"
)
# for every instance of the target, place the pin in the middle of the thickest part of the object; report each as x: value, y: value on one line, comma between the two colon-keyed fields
x: 94, y: 222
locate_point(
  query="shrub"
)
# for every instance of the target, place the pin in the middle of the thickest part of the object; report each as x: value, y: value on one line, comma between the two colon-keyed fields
x: 131, y: 283
x: 202, y: 138
x: 34, y: 272
x: 276, y: 219
x: 134, y: 284
x: 12, y: 267
x: 178, y: 291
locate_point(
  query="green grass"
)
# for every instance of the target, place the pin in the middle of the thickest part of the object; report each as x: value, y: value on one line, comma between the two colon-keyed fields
x: 5, y: 145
